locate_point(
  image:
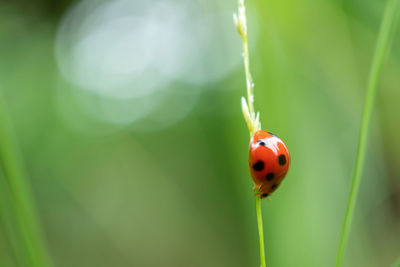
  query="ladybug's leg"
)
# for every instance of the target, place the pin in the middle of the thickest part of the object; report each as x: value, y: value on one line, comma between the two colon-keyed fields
x: 258, y: 191
x: 257, y: 188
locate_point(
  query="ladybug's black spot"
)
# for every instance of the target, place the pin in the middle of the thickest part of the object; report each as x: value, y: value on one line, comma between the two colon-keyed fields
x: 270, y: 176
x: 274, y: 186
x: 261, y: 143
x: 258, y: 166
x: 282, y: 160
x: 264, y: 195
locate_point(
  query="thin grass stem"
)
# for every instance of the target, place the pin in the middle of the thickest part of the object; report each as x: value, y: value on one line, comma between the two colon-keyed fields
x: 21, y: 200
x: 7, y: 219
x: 252, y: 119
x: 382, y: 47
x: 396, y: 263
x: 260, y: 231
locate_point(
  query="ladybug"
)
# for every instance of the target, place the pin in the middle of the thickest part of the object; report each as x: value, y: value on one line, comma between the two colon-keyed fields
x: 269, y: 162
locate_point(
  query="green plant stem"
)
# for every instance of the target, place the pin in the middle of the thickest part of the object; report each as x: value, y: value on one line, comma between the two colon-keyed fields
x: 7, y: 218
x: 260, y: 230
x: 251, y: 118
x: 382, y: 47
x: 249, y: 114
x: 249, y: 79
x: 21, y: 204
x: 396, y: 263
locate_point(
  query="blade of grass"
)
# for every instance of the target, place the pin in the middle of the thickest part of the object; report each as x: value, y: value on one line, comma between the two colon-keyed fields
x: 21, y: 204
x: 382, y: 47
x: 252, y: 119
x: 260, y: 231
x: 7, y: 220
x: 396, y: 263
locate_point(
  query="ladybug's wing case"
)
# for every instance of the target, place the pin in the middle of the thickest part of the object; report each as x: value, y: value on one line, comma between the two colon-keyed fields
x: 268, y: 161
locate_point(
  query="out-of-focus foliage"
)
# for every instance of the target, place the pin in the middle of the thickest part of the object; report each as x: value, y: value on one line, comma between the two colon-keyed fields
x: 128, y: 116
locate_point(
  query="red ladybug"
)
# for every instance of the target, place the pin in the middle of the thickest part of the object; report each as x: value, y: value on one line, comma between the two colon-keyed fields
x: 269, y: 162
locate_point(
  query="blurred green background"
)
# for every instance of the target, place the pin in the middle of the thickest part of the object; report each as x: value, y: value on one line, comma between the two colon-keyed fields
x: 128, y: 117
